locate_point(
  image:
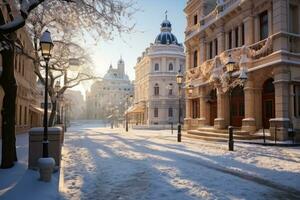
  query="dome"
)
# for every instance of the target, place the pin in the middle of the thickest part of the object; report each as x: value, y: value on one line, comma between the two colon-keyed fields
x: 166, y: 36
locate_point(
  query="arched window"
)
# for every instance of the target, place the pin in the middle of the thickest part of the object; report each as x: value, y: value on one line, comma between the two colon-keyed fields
x: 156, y: 67
x: 170, y: 112
x: 170, y: 88
x: 195, y: 58
x: 156, y: 89
x: 171, y: 68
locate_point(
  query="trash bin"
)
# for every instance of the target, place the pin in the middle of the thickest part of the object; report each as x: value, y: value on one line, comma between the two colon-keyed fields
x: 36, y: 145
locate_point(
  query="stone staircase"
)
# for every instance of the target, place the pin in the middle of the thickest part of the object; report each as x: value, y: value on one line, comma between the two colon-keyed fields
x: 211, y: 134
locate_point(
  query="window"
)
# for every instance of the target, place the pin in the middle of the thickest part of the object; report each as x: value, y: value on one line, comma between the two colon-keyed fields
x: 236, y: 37
x: 294, y: 19
x: 230, y: 40
x: 210, y: 50
x: 171, y: 67
x: 195, y: 19
x: 195, y: 58
x: 156, y: 67
x: 264, y: 29
x: 216, y: 46
x: 170, y: 89
x: 297, y: 101
x: 243, y: 34
x: 170, y: 112
x: 155, y: 112
x: 195, y: 108
x: 156, y: 89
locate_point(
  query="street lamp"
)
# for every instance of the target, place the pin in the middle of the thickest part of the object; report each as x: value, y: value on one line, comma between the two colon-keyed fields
x: 126, y: 114
x: 190, y: 89
x: 46, y: 45
x: 179, y: 80
x: 230, y: 68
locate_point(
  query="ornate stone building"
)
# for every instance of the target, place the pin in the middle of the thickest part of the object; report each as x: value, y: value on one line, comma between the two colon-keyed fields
x: 156, y: 90
x: 28, y: 113
x: 262, y: 38
x: 109, y: 94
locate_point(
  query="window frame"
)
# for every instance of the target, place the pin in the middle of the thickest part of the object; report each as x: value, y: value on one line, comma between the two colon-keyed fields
x: 156, y: 67
x: 155, y: 112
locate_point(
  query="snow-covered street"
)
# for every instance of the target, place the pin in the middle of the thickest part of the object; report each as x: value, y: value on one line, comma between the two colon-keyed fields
x: 110, y: 164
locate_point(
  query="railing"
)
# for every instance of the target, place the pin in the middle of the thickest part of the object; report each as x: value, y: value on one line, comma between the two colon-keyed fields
x: 192, y: 29
x: 262, y: 48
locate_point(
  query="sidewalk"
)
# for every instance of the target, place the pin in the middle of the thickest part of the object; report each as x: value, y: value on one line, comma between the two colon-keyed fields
x: 21, y: 183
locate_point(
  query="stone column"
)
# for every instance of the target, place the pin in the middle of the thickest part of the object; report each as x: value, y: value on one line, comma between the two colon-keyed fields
x: 202, y: 49
x: 163, y: 67
x: 221, y: 41
x: 202, y: 107
x: 233, y: 38
x: 220, y: 121
x: 282, y: 120
x: 249, y: 121
x: 188, y: 59
x: 270, y: 21
x: 188, y: 117
x: 280, y: 24
x: 226, y: 40
x: 249, y: 30
x: 207, y: 50
x: 256, y: 29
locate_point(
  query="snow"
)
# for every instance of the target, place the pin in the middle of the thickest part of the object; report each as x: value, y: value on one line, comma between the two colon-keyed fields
x: 104, y: 163
x: 21, y: 183
x: 111, y: 164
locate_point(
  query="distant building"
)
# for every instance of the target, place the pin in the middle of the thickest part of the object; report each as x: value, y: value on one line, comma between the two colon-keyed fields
x: 28, y: 113
x: 76, y: 105
x: 109, y: 96
x: 156, y: 90
x: 262, y: 40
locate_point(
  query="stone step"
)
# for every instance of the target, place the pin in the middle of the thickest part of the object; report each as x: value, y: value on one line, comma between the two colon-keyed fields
x: 205, y: 138
x: 222, y: 131
x: 222, y: 135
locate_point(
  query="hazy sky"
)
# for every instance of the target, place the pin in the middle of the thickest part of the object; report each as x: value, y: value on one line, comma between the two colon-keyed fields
x: 131, y: 46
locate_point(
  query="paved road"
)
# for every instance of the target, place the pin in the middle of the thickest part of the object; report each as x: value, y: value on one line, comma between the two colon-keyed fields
x: 100, y: 163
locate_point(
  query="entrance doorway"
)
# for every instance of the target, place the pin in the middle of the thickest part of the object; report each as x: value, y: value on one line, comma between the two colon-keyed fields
x: 268, y: 102
x: 237, y: 106
x: 213, y: 107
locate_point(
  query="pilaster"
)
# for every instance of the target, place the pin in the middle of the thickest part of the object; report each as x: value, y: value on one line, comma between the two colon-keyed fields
x: 249, y: 30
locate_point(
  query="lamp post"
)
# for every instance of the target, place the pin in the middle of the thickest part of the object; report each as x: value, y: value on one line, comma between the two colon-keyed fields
x: 230, y: 68
x: 179, y: 80
x: 46, y: 45
x: 126, y: 114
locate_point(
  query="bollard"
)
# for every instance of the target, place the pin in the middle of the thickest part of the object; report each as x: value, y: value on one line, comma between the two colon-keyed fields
x: 275, y: 135
x: 179, y: 133
x: 264, y: 136
x: 230, y: 141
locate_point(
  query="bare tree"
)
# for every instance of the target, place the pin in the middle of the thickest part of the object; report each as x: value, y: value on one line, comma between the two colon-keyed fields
x: 99, y: 18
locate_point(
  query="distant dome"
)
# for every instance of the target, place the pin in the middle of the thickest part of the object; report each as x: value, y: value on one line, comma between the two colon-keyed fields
x: 165, y: 36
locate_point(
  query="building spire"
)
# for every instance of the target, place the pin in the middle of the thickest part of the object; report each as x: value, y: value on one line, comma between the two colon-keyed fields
x: 166, y: 13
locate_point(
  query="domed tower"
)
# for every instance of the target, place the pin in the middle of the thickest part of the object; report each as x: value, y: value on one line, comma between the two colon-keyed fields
x: 166, y: 36
x: 121, y: 67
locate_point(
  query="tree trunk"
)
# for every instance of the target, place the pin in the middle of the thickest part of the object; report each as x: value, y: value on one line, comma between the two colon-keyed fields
x: 53, y: 113
x: 8, y: 82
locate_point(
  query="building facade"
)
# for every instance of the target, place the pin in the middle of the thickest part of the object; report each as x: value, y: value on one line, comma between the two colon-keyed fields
x: 28, y: 113
x: 77, y: 105
x: 156, y: 90
x: 110, y: 95
x: 262, y: 38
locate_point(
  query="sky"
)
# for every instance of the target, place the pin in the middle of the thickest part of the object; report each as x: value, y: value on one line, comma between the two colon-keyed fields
x: 130, y: 46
